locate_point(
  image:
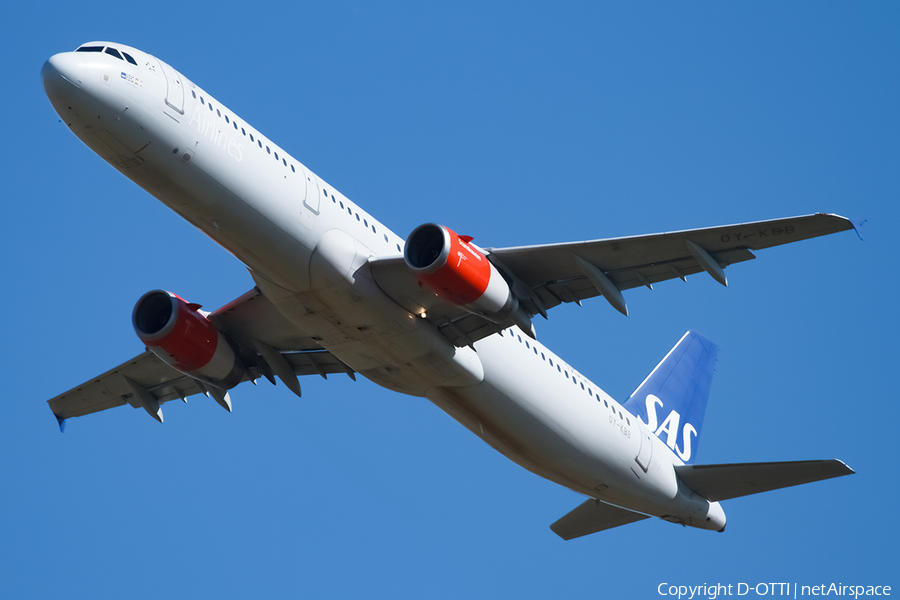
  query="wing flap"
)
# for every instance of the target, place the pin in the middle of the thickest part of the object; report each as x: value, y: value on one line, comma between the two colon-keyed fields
x: 592, y: 516
x: 317, y: 362
x: 722, y: 482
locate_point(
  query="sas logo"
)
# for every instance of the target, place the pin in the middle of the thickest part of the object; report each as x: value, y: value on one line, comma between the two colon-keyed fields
x: 670, y: 428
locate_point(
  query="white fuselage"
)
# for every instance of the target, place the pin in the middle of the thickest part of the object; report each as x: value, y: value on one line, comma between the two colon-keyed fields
x: 307, y: 247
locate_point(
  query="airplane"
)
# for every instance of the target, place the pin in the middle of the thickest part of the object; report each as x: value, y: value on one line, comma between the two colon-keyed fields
x: 434, y: 315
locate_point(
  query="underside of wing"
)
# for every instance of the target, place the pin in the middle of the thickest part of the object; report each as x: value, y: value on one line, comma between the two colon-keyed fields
x: 722, y: 482
x: 542, y: 277
x: 265, y: 343
x: 111, y: 389
x: 592, y: 516
x: 252, y: 317
x: 554, y: 275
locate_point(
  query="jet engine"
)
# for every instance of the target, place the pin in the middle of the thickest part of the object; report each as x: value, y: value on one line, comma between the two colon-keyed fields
x: 448, y: 265
x: 182, y: 337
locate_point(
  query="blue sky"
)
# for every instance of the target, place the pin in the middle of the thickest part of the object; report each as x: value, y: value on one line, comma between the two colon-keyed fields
x: 516, y: 123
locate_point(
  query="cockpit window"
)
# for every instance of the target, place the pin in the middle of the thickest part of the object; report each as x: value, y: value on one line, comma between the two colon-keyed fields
x: 114, y: 52
x: 90, y: 49
x: 129, y: 59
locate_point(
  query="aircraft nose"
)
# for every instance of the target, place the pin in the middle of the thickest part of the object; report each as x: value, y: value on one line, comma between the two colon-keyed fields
x: 61, y: 72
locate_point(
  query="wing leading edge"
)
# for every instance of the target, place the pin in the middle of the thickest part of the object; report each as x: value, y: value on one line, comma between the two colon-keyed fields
x: 545, y: 276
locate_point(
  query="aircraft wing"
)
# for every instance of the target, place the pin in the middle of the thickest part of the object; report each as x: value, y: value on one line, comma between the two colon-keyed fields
x: 592, y: 516
x: 250, y: 321
x: 723, y: 482
x: 545, y: 276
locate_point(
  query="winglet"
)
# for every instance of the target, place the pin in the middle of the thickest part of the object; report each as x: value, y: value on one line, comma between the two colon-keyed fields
x: 858, y: 225
x: 61, y: 421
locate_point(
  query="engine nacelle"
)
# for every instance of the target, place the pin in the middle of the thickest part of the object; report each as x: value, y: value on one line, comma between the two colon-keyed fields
x: 182, y: 337
x: 448, y: 265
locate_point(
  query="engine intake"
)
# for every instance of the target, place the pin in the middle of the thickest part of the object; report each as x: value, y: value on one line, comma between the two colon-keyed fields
x: 182, y: 337
x: 448, y: 265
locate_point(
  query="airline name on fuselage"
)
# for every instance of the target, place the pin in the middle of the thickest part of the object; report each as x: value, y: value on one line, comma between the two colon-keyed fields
x: 669, y: 427
x: 209, y: 128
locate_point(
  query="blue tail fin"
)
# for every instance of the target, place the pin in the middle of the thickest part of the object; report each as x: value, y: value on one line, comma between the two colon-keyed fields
x: 672, y: 399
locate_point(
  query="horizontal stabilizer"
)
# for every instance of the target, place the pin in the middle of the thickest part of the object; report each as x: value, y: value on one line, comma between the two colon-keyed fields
x: 721, y: 482
x: 592, y: 516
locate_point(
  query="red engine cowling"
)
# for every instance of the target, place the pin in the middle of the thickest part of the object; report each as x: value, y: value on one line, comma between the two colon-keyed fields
x: 451, y: 267
x: 182, y: 337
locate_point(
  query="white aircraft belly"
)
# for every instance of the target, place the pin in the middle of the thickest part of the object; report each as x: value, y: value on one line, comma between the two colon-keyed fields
x: 542, y: 421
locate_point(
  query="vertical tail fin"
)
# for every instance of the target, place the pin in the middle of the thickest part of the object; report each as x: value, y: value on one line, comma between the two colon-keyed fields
x: 671, y: 401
